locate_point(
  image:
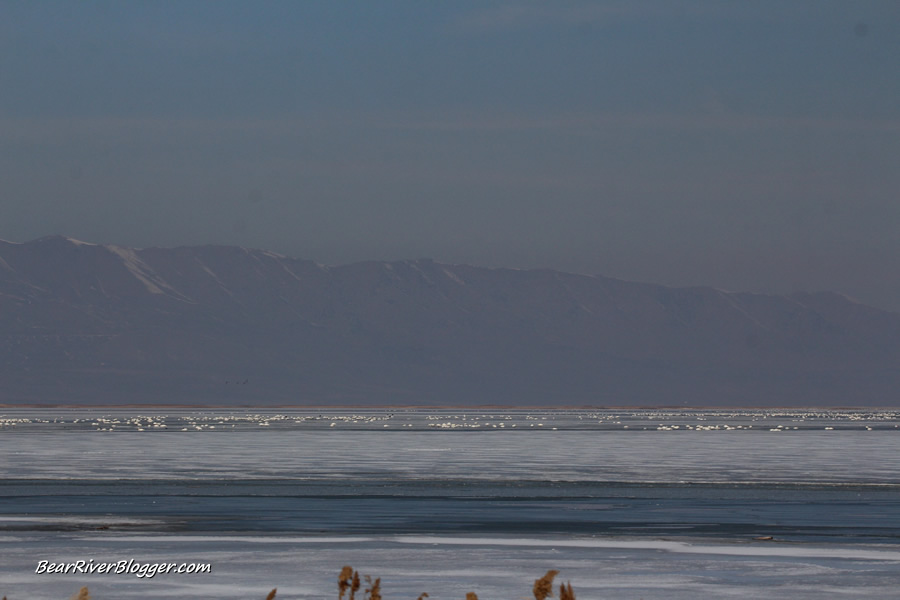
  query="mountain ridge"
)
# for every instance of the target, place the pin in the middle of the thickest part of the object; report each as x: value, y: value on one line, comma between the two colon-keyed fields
x: 106, y: 324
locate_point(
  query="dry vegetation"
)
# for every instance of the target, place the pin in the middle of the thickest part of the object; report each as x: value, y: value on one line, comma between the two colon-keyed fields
x: 349, y: 584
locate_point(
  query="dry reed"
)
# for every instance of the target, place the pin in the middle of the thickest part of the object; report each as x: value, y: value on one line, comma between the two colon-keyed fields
x: 344, y: 579
x: 373, y: 592
x: 543, y: 587
x: 82, y: 594
x: 348, y: 580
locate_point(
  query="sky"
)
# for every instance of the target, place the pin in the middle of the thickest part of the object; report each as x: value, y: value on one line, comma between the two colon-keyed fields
x: 750, y: 146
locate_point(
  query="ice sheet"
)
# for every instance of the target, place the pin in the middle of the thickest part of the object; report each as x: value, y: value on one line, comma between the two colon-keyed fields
x: 449, y: 567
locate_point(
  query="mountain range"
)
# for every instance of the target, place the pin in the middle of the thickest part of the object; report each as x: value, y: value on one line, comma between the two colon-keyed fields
x: 85, y: 323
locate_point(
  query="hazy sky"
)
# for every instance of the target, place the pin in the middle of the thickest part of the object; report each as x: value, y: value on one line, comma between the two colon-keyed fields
x: 750, y: 145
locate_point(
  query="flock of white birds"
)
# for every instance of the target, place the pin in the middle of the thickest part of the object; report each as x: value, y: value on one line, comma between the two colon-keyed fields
x: 185, y: 420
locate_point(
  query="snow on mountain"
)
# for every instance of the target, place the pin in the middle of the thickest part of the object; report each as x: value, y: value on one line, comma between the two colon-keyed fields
x: 88, y: 323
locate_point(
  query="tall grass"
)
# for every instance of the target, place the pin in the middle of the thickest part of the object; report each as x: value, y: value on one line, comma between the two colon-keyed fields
x: 348, y: 580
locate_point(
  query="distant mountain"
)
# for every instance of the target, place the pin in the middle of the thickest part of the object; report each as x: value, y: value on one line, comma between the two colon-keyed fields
x: 91, y: 324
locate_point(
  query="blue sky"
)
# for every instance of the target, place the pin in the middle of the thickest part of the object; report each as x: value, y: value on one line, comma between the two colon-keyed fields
x: 746, y: 145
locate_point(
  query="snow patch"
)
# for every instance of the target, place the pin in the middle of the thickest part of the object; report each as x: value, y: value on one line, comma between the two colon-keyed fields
x: 391, y: 272
x: 271, y: 254
x: 573, y: 295
x: 730, y: 299
x: 289, y: 271
x: 453, y: 276
x: 422, y: 273
x: 78, y: 242
x: 143, y: 273
x: 214, y: 276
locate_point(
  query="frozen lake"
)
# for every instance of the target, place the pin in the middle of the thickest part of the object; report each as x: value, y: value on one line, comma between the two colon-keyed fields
x: 626, y: 504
